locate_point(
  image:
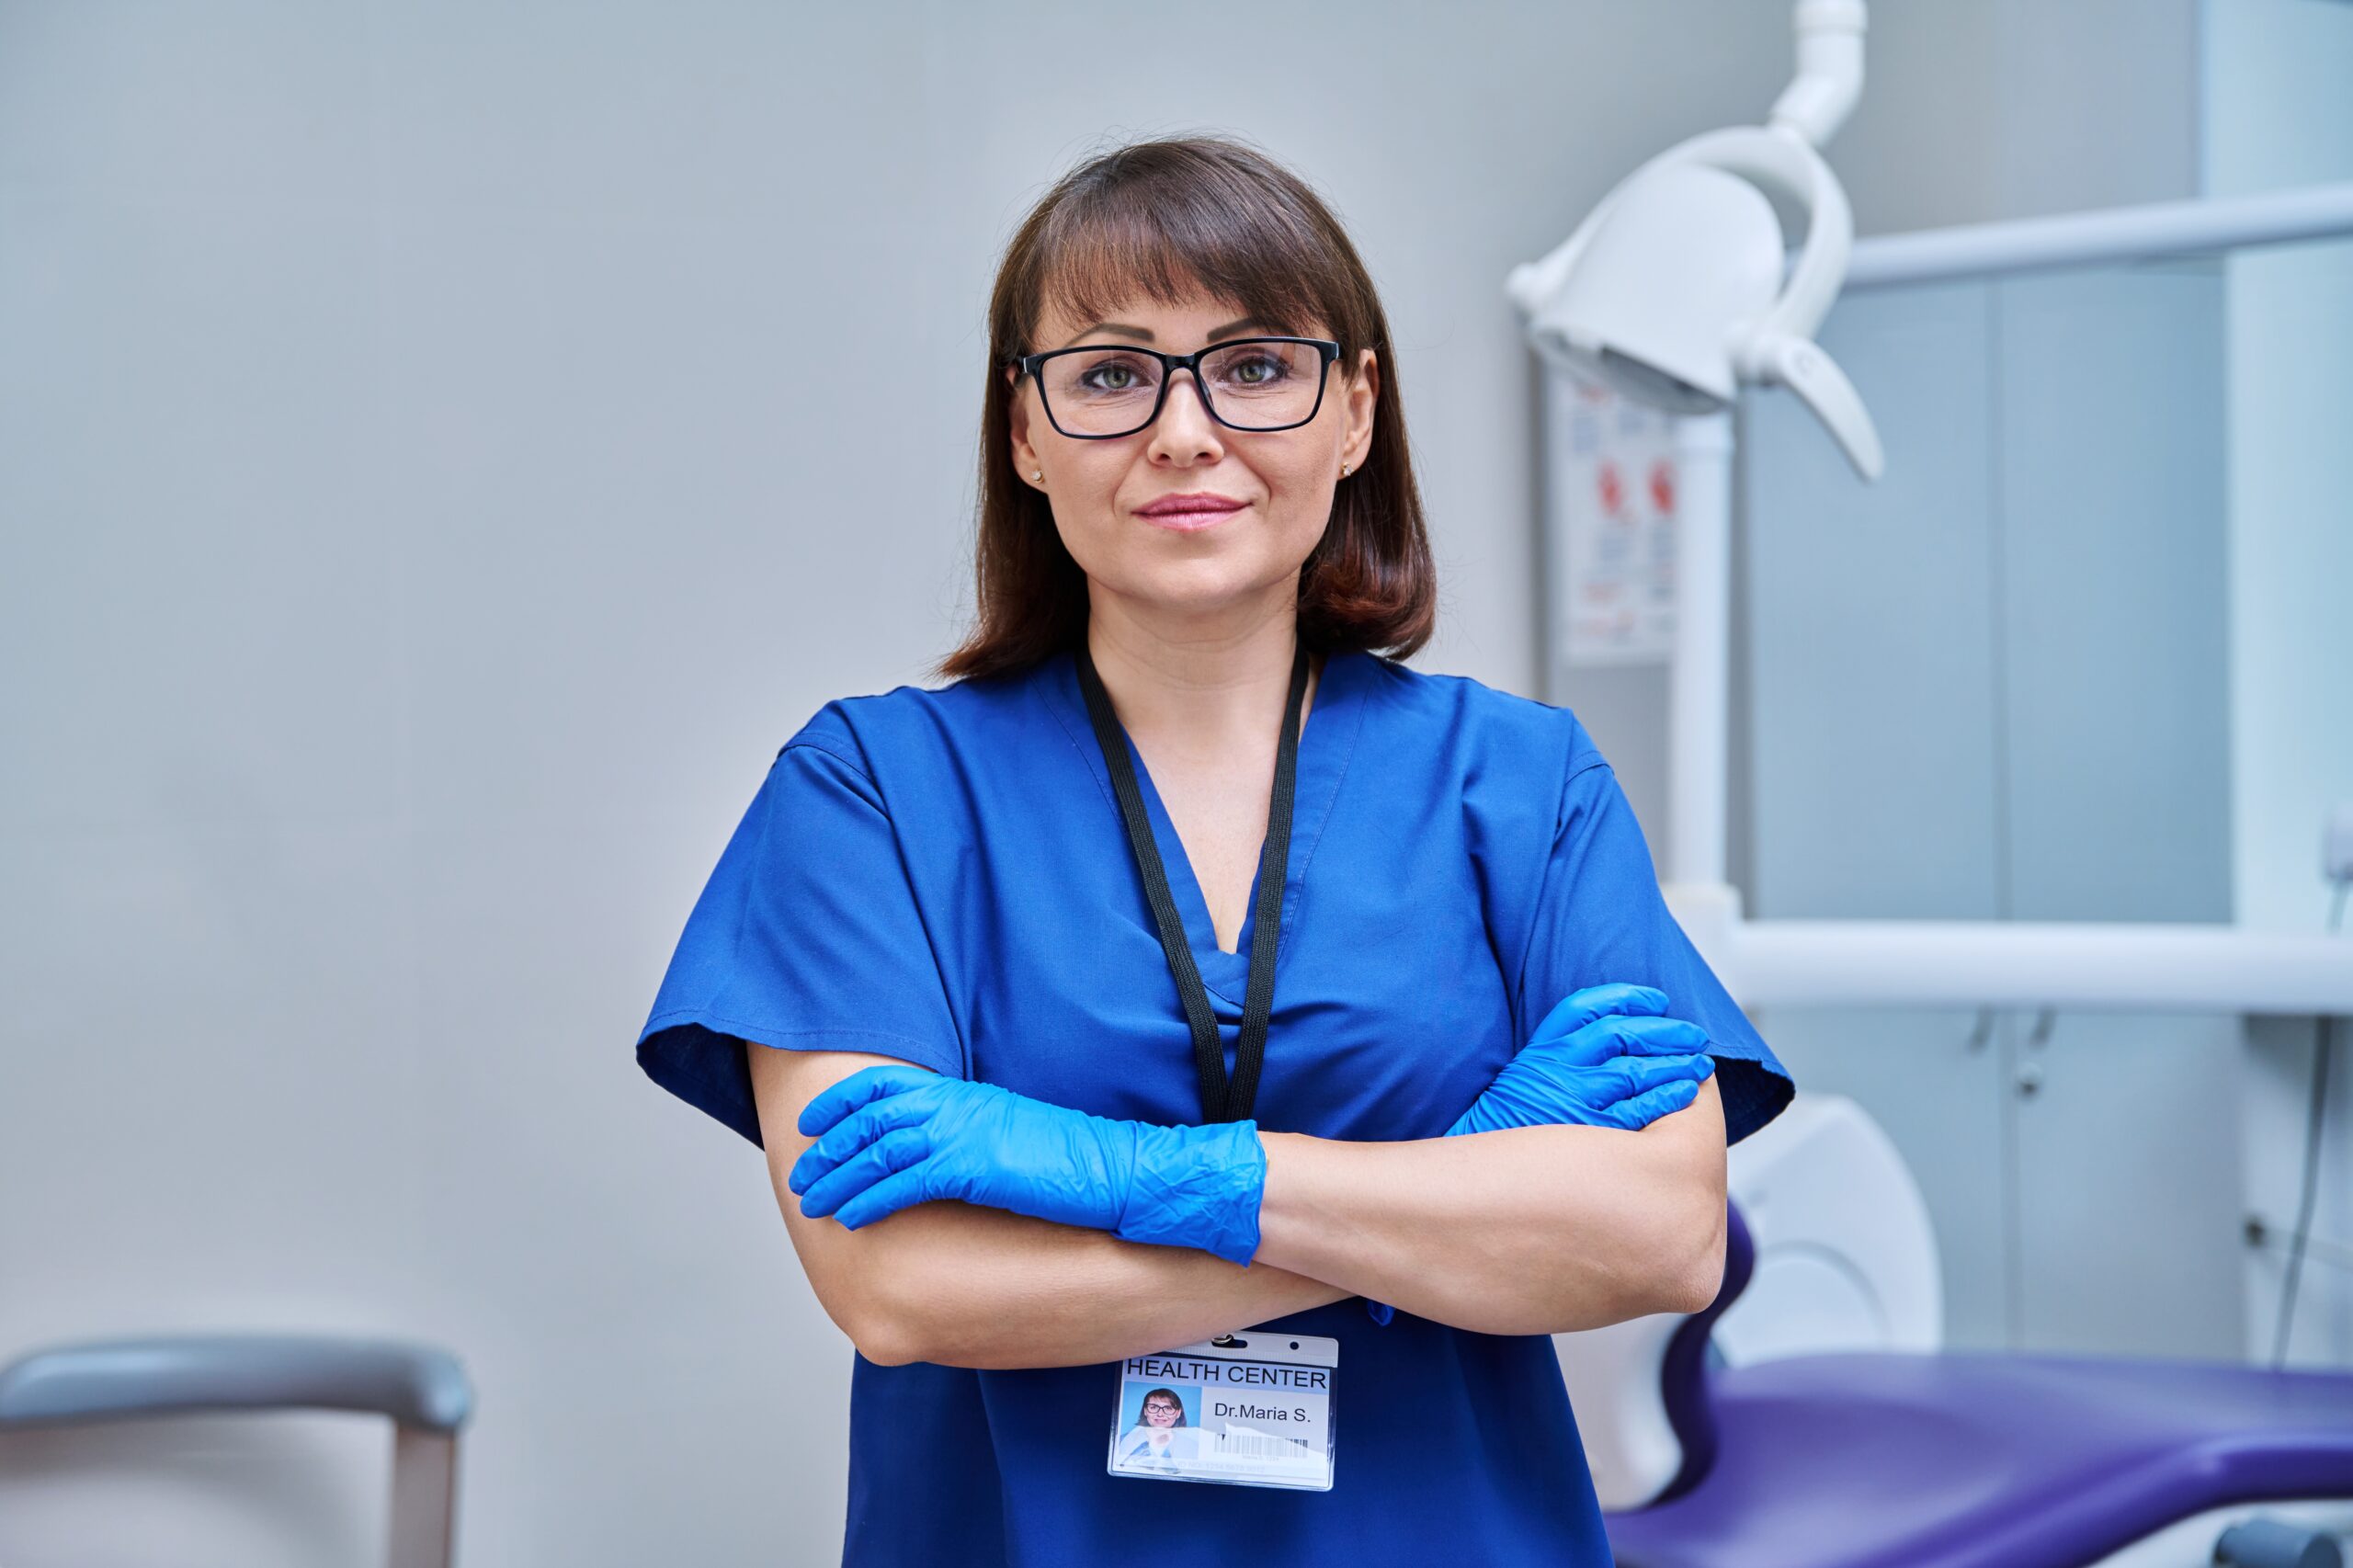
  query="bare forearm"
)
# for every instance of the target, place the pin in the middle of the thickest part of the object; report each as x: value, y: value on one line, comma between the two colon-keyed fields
x: 970, y: 1287
x: 1531, y: 1230
x: 965, y: 1286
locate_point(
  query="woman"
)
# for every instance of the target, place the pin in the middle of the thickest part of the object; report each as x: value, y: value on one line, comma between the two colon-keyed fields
x: 1160, y: 1433
x: 1000, y: 942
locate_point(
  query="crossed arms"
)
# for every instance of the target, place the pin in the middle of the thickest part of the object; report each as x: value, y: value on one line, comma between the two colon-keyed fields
x: 1528, y: 1230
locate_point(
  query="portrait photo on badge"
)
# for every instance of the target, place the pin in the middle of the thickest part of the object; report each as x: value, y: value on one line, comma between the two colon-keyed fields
x: 1159, y: 1423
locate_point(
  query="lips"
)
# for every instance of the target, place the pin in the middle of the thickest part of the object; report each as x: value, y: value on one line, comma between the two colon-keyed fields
x: 1193, y: 505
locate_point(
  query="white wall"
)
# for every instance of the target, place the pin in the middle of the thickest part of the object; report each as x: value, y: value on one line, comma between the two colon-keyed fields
x: 433, y: 481
x: 2278, y: 114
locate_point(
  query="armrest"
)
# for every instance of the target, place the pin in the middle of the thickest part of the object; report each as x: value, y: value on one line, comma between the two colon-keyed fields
x: 415, y: 1386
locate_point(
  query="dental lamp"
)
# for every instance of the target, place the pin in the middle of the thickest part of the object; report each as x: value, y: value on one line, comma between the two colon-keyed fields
x: 1671, y: 291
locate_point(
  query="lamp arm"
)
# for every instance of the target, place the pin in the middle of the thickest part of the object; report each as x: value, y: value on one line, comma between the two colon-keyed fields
x: 1830, y: 71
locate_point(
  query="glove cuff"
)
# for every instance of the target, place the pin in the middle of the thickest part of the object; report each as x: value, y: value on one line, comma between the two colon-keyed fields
x: 1196, y: 1187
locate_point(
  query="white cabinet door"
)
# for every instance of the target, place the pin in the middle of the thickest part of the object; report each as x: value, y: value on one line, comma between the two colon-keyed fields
x: 1994, y: 685
x: 1867, y: 705
x: 2129, y: 1217
x: 2112, y: 535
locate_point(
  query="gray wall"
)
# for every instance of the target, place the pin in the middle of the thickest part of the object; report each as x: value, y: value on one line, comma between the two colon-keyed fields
x: 432, y: 483
x: 1980, y: 110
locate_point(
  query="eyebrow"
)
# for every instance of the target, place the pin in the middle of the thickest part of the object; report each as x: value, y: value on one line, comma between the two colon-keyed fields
x: 1144, y: 334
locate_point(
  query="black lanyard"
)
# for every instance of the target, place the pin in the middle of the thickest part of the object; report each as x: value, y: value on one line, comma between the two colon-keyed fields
x: 1221, y: 1101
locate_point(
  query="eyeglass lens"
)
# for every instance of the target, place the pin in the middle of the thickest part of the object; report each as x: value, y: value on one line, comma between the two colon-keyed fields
x: 1251, y: 386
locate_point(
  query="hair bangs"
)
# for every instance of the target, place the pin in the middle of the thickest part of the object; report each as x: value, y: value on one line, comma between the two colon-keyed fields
x: 1172, y: 241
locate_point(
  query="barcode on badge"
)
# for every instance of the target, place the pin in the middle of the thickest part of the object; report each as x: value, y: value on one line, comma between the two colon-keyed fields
x: 1240, y: 1442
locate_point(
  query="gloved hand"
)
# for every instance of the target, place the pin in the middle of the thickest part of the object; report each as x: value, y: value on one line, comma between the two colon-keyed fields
x: 1605, y: 1056
x: 889, y: 1137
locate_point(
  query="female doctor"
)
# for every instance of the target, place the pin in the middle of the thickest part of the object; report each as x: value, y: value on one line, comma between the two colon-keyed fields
x: 1189, y: 965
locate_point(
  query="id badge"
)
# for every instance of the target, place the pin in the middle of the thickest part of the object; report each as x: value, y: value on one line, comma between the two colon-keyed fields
x: 1248, y: 1409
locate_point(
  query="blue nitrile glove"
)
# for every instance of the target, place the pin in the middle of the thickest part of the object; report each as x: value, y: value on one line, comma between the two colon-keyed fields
x: 1605, y: 1056
x: 890, y: 1137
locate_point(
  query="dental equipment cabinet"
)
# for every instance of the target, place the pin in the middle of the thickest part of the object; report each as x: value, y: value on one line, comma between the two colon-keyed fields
x: 1987, y: 709
x: 1984, y: 722
x: 1988, y: 744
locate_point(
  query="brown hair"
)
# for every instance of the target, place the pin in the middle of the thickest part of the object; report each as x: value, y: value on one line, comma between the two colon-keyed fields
x: 1163, y: 219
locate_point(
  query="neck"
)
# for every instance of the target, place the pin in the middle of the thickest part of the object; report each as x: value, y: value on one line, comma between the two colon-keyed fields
x: 1212, y: 686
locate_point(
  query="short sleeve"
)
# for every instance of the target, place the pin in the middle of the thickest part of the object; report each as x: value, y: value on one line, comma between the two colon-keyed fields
x: 806, y: 937
x: 1599, y: 917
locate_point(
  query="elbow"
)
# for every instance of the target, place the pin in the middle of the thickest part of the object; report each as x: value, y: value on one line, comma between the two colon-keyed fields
x: 1694, y: 1192
x: 885, y: 1347
x: 875, y: 1306
x: 887, y: 1326
x: 1695, y: 1287
x: 874, y: 1333
x: 1674, y: 1246
x: 1649, y: 1279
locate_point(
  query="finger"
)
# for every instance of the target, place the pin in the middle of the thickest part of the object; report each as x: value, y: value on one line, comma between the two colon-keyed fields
x: 1578, y: 1008
x: 861, y: 1087
x: 1640, y: 1074
x: 1641, y: 1110
x: 886, y: 1156
x: 884, y: 1199
x: 1607, y: 1039
x: 862, y: 1126
x: 856, y: 1132
x: 1645, y: 1036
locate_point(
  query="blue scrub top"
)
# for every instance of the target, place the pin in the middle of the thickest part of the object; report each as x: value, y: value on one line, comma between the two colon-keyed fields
x: 944, y: 876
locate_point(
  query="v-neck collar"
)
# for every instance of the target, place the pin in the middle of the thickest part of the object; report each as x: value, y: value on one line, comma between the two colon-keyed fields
x: 1326, y: 741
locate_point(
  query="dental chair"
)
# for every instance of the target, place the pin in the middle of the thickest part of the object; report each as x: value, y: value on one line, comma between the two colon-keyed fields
x: 422, y: 1390
x: 1904, y: 1456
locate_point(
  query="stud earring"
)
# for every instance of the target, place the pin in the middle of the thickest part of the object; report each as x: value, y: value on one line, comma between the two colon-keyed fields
x: 1344, y: 470
x: 1039, y: 474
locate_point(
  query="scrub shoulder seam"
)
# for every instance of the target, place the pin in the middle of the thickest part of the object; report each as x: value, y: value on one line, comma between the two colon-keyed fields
x: 851, y: 763
x: 1596, y: 762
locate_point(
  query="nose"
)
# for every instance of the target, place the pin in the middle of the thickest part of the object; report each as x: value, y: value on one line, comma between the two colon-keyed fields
x: 1184, y: 433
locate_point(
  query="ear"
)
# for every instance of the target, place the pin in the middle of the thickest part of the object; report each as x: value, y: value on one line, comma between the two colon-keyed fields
x: 1363, y: 393
x: 1024, y: 456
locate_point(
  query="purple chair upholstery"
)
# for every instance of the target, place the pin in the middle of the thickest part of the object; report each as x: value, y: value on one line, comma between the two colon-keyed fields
x: 1969, y: 1460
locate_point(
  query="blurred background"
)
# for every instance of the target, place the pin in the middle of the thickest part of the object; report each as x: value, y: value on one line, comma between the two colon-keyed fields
x: 439, y: 466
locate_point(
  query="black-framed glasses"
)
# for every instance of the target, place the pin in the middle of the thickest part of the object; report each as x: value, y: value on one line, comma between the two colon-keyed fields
x: 1099, y: 391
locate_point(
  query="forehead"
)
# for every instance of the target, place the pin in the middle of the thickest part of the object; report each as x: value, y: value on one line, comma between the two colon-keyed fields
x: 1140, y: 318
